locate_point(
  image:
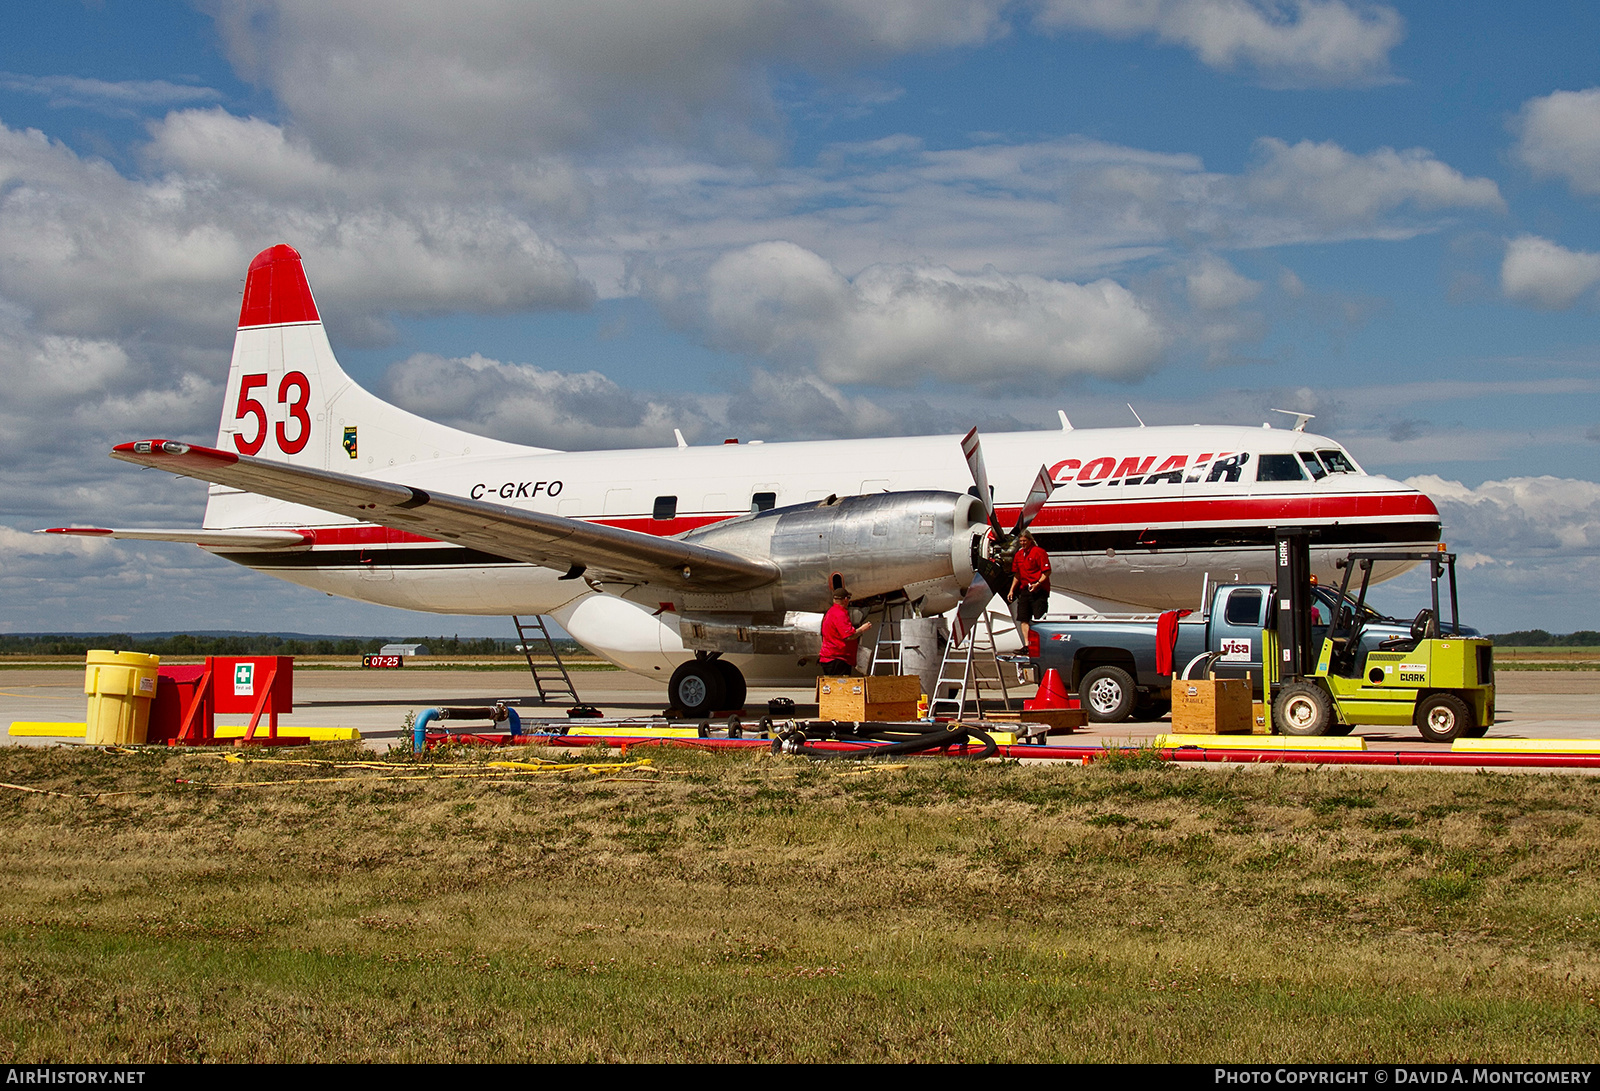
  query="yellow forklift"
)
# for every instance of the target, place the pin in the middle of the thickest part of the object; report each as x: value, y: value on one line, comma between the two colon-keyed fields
x: 1357, y: 670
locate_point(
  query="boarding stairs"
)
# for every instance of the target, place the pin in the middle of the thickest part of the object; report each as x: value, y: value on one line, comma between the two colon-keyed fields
x: 971, y: 667
x: 551, y: 679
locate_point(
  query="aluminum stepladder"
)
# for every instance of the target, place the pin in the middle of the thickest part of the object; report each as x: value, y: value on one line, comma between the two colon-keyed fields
x: 886, y: 653
x: 548, y: 685
x: 967, y: 669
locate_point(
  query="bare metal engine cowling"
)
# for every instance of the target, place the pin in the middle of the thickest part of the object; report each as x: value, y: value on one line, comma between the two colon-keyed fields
x: 921, y: 543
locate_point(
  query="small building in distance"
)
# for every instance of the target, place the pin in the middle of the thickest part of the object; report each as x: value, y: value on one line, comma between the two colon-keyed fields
x: 403, y: 649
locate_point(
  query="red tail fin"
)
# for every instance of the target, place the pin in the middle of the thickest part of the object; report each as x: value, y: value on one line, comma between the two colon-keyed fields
x: 276, y: 291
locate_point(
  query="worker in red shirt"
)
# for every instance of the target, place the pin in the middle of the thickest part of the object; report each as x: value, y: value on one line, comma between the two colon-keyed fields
x: 1030, y: 582
x: 840, y: 636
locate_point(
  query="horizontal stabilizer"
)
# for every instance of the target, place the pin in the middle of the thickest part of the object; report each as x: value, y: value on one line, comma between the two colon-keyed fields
x: 513, y: 533
x: 211, y: 539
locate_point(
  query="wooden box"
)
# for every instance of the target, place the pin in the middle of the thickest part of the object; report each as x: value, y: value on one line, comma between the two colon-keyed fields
x: 1211, y: 706
x: 886, y: 697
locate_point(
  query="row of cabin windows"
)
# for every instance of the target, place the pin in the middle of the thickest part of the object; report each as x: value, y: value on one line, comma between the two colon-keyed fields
x: 666, y: 507
x: 1317, y: 465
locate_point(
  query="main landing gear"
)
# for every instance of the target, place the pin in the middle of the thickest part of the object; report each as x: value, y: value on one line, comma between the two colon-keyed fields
x: 705, y: 686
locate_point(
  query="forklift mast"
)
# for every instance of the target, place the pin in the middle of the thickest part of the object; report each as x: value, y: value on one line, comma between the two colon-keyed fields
x: 1296, y: 657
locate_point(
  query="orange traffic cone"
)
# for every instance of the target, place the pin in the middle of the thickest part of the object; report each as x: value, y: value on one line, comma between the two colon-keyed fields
x: 1052, y: 692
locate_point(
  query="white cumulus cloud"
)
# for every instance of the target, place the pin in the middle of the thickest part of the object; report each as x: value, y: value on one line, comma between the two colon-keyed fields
x: 1559, y: 137
x: 522, y: 403
x: 1297, y: 43
x: 1544, y: 274
x: 496, y: 77
x: 897, y: 324
x: 1520, y: 517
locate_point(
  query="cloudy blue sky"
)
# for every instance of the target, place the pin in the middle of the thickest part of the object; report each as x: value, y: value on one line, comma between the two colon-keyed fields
x: 582, y: 224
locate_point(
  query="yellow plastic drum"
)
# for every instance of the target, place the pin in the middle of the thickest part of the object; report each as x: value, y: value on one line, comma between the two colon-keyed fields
x: 120, y: 686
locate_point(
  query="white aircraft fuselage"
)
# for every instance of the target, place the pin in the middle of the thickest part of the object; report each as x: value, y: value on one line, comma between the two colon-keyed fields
x: 1139, y: 518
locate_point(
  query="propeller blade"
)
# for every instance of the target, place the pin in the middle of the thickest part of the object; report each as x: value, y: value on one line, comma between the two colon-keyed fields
x: 980, y: 477
x: 973, y: 604
x: 1042, y: 488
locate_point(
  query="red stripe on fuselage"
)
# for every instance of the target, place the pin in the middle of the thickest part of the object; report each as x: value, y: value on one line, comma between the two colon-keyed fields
x: 1093, y: 515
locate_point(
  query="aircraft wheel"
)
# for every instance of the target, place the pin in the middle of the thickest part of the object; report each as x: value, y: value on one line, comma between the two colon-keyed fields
x: 697, y: 688
x: 733, y: 685
x: 1107, y: 695
x: 1443, y: 717
x: 1303, y: 709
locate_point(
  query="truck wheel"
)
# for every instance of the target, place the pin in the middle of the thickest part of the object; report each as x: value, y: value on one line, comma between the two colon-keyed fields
x: 697, y: 688
x: 1443, y: 717
x: 1107, y: 695
x: 1303, y: 709
x: 1150, y: 711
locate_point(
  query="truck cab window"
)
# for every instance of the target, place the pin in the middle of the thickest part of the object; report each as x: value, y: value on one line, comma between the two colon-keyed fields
x: 1244, y: 608
x: 1278, y: 468
x: 666, y: 508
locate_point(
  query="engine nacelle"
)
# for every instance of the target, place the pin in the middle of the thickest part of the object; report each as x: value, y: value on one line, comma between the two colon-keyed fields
x: 921, y: 543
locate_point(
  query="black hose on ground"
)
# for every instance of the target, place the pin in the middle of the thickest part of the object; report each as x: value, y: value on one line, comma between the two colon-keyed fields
x: 902, y: 739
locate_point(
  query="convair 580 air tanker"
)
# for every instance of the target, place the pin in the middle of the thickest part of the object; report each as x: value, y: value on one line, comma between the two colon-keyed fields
x: 711, y: 565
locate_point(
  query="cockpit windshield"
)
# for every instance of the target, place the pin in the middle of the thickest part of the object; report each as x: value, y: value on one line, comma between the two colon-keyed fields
x: 1336, y: 461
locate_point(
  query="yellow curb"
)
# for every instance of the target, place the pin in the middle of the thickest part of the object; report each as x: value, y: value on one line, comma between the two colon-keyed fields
x: 1259, y: 742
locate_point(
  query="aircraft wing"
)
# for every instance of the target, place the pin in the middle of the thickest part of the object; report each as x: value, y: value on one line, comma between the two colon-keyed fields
x: 216, y: 539
x: 514, y: 533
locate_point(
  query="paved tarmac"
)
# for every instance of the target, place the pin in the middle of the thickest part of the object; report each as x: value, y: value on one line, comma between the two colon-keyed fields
x: 1530, y: 704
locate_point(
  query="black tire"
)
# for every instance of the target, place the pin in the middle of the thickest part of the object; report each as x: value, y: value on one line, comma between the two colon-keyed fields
x: 733, y: 686
x: 1150, y: 711
x: 696, y: 688
x: 1107, y: 695
x: 1303, y: 709
x: 1443, y: 717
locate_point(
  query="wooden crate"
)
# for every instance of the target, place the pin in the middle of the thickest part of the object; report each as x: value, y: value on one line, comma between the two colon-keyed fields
x: 886, y: 697
x: 1211, y: 706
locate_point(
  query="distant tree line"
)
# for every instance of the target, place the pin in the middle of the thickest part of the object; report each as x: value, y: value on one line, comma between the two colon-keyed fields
x: 256, y: 644
x: 1538, y: 638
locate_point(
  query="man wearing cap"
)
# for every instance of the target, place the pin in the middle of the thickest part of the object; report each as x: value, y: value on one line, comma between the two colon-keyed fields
x: 840, y: 636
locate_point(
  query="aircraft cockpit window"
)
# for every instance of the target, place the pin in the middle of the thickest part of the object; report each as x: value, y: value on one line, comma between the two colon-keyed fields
x: 666, y: 508
x: 763, y: 501
x: 1316, y: 467
x: 1337, y: 462
x: 1278, y: 468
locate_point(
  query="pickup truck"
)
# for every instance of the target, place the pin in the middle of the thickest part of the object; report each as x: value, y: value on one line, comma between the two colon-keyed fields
x: 1110, y: 661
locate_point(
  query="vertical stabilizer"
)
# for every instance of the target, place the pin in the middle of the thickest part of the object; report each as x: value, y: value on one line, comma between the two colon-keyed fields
x: 289, y: 400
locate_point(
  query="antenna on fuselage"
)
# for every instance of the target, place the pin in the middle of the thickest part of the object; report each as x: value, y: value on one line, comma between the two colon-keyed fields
x: 1299, y: 417
x: 1135, y: 413
x: 1066, y: 425
x: 678, y: 432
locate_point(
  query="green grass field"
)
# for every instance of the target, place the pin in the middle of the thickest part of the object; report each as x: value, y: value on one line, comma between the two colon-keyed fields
x: 172, y: 906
